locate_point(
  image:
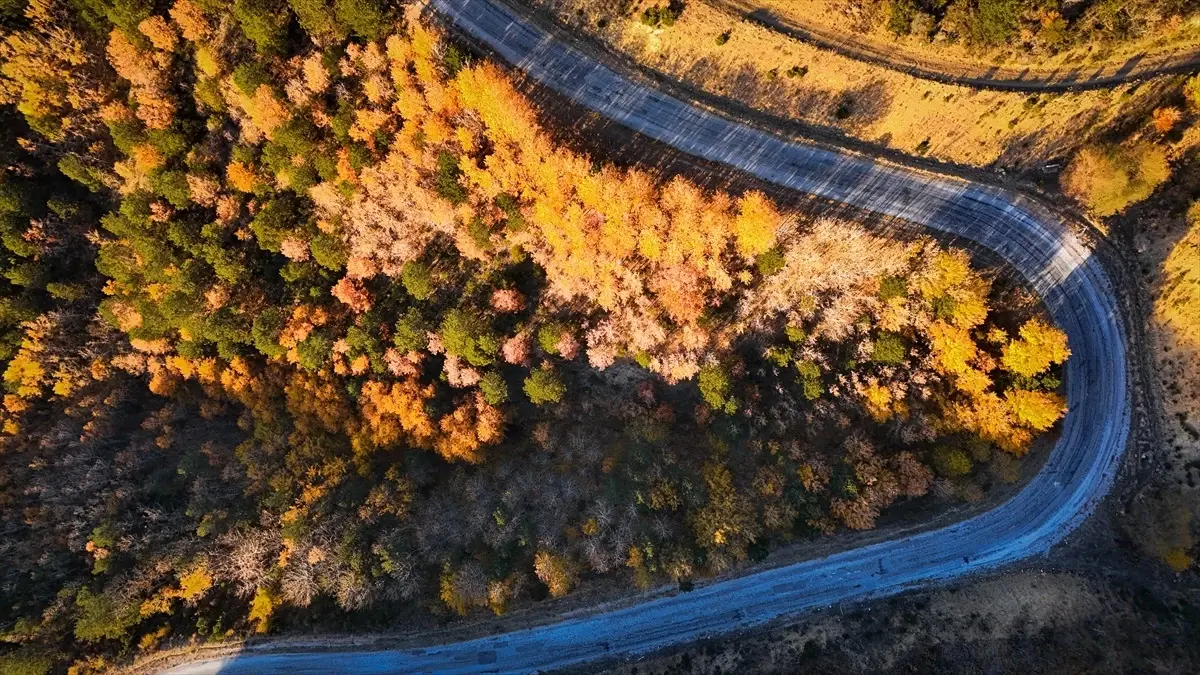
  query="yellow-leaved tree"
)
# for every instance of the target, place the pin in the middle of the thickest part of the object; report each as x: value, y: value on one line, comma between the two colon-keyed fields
x: 1039, y: 346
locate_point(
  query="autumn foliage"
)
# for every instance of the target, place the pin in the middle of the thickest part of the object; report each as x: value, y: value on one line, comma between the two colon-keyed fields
x: 347, y: 323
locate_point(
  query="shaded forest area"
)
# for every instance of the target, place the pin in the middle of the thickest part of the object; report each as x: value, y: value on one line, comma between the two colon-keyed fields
x: 307, y: 320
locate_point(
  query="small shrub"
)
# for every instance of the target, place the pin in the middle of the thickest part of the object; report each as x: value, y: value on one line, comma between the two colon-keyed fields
x: 723, y: 38
x: 995, y: 21
x: 664, y: 17
x: 1005, y: 468
x: 1191, y: 92
x: 900, y: 17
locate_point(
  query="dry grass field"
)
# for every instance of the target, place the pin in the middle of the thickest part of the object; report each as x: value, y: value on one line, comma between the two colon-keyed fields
x: 782, y: 76
x: 867, y: 24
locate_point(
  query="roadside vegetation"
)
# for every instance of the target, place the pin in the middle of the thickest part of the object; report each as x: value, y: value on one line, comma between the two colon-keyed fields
x: 1123, y: 169
x: 1108, y: 178
x: 308, y: 321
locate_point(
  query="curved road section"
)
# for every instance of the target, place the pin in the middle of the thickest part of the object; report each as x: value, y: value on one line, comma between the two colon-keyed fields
x: 1072, y: 283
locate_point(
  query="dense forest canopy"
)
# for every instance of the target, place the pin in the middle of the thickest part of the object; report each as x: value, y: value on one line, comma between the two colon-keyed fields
x: 307, y: 318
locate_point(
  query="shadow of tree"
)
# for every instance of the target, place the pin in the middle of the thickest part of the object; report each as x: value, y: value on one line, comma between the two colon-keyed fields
x: 852, y: 111
x: 865, y: 105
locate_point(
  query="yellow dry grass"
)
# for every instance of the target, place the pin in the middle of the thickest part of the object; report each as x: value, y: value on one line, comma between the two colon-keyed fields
x: 837, y: 18
x: 885, y: 107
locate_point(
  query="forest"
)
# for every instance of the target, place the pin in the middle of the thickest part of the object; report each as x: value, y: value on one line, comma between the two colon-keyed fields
x: 307, y: 321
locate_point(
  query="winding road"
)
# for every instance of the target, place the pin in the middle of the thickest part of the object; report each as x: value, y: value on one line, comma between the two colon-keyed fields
x: 1076, y: 290
x: 776, y: 16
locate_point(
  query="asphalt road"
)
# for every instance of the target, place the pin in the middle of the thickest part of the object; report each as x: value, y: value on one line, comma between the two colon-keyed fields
x: 1076, y: 77
x: 1078, y: 473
